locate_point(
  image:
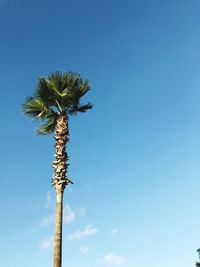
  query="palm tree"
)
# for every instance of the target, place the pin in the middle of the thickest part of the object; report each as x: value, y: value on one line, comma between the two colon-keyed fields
x: 54, y: 99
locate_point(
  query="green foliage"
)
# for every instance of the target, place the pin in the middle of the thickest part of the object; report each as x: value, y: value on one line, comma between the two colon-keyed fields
x: 57, y: 93
x: 48, y: 127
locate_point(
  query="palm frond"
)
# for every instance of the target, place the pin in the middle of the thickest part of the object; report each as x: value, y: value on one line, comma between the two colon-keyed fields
x: 55, y: 82
x: 79, y: 108
x: 34, y: 108
x: 48, y: 127
x: 44, y: 92
x: 84, y: 88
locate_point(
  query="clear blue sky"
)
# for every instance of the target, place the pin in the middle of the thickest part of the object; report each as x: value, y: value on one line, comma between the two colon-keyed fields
x: 134, y: 158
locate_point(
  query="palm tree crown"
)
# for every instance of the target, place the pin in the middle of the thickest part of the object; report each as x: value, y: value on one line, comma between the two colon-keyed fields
x: 59, y: 93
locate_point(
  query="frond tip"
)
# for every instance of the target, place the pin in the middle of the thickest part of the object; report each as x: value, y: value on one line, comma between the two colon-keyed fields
x: 78, y: 108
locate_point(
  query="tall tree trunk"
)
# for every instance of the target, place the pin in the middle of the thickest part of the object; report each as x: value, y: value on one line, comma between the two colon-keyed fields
x: 57, y: 260
x: 60, y: 181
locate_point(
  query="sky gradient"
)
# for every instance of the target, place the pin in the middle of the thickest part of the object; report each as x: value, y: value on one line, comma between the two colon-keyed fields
x: 134, y: 158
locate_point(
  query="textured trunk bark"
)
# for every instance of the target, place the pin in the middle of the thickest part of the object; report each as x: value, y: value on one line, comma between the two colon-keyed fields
x: 57, y: 260
x: 60, y: 181
x: 60, y: 164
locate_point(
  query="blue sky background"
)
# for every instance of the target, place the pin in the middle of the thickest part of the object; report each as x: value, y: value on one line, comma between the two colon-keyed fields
x: 134, y: 158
